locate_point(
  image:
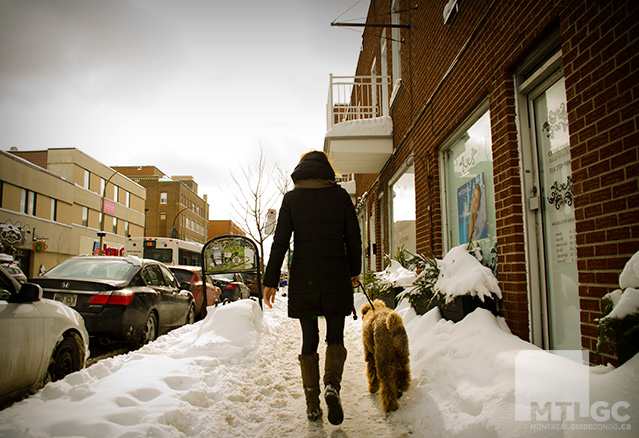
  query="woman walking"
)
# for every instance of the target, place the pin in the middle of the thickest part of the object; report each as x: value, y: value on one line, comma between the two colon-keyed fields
x: 325, y: 267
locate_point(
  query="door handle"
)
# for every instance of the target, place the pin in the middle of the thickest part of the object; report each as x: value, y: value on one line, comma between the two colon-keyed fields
x: 533, y: 201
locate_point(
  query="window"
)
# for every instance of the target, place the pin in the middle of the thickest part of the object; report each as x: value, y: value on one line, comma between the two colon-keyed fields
x: 23, y: 200
x: 54, y: 210
x: 28, y: 202
x: 85, y: 216
x: 102, y: 185
x: 469, y: 190
x: 127, y: 199
x: 403, y: 211
x: 116, y: 194
x: 164, y: 198
x: 396, y: 46
x: 115, y: 225
x: 126, y: 229
x: 153, y: 276
x: 163, y: 215
x: 87, y: 177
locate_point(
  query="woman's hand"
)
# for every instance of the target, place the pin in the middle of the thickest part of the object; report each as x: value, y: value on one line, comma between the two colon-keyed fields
x: 355, y: 281
x: 269, y: 296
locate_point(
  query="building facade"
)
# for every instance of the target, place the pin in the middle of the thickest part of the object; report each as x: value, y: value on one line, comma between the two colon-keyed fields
x: 173, y: 206
x: 513, y: 124
x: 51, y: 207
x: 220, y: 227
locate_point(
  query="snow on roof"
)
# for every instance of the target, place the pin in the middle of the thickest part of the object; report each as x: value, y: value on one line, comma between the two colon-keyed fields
x: 374, y: 127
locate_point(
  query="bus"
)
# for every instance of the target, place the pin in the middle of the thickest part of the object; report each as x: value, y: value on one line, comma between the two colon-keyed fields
x: 166, y: 250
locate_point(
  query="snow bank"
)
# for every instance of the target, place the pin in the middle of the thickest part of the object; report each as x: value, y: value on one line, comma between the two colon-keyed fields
x: 235, y: 374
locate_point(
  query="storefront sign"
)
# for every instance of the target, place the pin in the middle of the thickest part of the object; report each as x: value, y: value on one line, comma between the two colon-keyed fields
x: 106, y: 250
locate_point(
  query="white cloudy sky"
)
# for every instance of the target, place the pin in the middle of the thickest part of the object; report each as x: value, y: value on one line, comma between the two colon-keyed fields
x: 190, y: 86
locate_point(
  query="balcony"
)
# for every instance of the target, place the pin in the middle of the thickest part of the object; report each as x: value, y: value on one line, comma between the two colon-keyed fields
x: 359, y: 137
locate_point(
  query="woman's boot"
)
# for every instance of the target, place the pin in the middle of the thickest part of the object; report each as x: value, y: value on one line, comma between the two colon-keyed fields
x: 309, y: 364
x: 333, y: 369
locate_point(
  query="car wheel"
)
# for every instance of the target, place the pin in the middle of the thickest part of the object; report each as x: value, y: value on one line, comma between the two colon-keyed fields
x: 149, y: 330
x: 67, y: 358
x: 190, y: 316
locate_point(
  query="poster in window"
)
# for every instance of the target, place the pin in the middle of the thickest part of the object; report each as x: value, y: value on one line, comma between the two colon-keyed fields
x: 471, y: 207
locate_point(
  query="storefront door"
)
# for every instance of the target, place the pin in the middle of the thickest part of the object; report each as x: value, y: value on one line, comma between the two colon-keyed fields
x: 551, y: 201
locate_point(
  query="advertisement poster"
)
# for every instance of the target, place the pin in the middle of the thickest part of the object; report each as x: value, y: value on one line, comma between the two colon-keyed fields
x: 471, y: 207
x: 229, y: 256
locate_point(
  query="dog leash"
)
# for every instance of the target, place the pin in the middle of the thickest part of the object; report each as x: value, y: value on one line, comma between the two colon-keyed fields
x: 359, y: 284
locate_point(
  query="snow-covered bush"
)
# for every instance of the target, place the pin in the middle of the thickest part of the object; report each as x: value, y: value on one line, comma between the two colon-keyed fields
x: 621, y: 308
x: 423, y: 287
x: 461, y: 273
x: 397, y: 273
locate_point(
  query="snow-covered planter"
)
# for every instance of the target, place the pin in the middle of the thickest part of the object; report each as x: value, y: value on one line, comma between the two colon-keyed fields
x: 464, y: 284
x: 619, y: 329
x: 389, y: 283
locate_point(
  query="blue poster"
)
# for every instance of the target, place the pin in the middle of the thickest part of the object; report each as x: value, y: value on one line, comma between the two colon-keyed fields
x: 471, y: 207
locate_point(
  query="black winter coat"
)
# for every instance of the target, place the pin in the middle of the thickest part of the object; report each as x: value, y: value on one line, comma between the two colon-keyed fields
x: 326, y: 251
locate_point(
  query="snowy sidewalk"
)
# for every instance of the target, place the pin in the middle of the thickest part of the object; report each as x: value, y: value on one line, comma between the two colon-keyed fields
x: 235, y: 374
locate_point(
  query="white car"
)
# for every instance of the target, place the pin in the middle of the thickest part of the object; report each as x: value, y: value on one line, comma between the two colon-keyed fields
x: 41, y: 340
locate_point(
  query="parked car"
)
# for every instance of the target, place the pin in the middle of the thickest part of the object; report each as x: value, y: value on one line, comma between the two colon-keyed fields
x: 193, y: 276
x: 121, y: 298
x: 251, y: 281
x: 12, y: 267
x: 41, y: 340
x: 15, y: 271
x: 232, y: 285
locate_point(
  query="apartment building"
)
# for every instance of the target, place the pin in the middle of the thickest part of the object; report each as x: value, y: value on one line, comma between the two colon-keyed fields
x: 528, y: 107
x: 173, y: 207
x: 51, y: 207
x: 220, y: 227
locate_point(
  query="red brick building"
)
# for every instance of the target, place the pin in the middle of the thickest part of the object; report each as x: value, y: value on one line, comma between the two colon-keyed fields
x: 530, y: 107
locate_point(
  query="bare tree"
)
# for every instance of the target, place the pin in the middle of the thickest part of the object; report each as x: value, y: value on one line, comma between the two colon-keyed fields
x: 254, y: 197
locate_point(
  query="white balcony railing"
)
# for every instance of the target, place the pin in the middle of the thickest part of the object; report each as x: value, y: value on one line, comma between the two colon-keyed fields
x: 356, y: 98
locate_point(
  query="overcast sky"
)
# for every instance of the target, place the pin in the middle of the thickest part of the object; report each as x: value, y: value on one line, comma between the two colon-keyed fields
x: 190, y: 86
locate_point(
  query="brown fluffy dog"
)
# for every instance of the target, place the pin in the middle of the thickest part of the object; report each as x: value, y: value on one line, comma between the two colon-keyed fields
x: 386, y: 353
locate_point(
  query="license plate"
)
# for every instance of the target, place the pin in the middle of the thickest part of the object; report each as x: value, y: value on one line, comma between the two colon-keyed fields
x: 68, y: 299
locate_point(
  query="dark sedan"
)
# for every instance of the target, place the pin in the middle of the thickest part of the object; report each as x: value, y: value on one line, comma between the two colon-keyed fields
x: 120, y: 298
x: 232, y: 285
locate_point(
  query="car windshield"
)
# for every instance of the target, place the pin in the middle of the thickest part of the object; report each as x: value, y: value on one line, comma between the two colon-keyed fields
x: 93, y: 269
x: 182, y: 275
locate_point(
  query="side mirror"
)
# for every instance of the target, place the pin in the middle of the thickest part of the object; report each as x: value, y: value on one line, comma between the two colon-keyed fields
x: 248, y: 282
x: 185, y: 286
x: 28, y: 293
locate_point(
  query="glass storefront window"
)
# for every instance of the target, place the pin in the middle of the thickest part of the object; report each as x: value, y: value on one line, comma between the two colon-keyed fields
x: 470, y: 192
x: 403, y: 212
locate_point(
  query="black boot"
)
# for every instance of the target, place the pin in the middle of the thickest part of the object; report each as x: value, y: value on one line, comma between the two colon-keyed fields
x: 309, y: 364
x: 333, y: 369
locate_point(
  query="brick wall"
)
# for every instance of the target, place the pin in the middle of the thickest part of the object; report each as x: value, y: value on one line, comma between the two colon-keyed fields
x: 449, y: 70
x: 601, y: 66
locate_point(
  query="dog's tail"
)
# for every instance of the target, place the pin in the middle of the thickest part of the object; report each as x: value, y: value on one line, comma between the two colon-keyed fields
x: 394, y: 322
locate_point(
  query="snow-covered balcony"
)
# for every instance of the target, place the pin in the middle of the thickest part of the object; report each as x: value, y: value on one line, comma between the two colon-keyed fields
x: 359, y: 137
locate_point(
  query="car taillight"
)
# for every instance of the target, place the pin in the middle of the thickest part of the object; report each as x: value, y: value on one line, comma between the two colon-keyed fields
x: 118, y: 298
x: 231, y: 286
